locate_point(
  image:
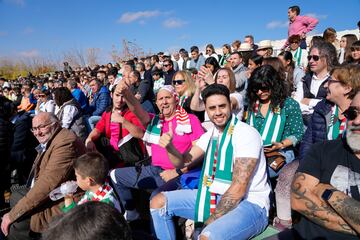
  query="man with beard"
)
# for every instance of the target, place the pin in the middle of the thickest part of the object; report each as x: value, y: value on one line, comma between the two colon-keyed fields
x: 237, y: 66
x: 232, y: 201
x: 325, y: 189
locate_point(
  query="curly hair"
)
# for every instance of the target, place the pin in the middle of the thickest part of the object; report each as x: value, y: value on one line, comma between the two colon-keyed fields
x: 328, y: 51
x: 266, y: 76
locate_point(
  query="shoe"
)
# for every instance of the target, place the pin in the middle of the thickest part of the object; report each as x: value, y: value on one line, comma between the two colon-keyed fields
x: 131, y: 215
x: 282, y: 225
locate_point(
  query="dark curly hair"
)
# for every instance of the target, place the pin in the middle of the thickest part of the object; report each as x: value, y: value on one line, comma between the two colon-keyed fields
x: 266, y: 76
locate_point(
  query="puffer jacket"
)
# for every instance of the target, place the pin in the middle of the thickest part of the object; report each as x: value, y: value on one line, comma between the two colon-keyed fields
x: 101, y: 100
x: 317, y: 128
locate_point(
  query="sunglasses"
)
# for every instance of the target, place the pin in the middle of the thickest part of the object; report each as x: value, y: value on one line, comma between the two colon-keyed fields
x: 178, y: 82
x: 351, y: 113
x: 315, y: 57
x: 166, y: 65
x: 353, y: 49
x: 262, y: 88
x: 294, y: 42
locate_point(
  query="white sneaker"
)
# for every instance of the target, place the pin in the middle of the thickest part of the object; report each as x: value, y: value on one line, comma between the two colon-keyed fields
x: 131, y: 215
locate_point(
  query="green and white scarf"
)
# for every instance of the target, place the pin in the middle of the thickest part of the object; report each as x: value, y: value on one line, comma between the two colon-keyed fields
x: 273, y: 126
x: 336, y: 126
x: 223, y: 172
x: 297, y: 56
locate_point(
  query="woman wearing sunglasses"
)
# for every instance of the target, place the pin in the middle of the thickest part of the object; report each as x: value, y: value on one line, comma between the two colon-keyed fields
x: 328, y: 122
x: 184, y: 87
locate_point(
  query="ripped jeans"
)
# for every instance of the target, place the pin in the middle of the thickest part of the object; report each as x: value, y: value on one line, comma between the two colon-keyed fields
x: 247, y: 220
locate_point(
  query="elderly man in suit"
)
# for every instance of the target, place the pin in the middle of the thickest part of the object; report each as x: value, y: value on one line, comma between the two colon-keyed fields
x: 53, y: 165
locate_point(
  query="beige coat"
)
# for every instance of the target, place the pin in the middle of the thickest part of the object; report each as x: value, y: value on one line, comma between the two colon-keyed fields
x: 51, y: 168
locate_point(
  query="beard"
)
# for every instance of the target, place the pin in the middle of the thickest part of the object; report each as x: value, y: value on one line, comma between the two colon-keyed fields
x: 353, y: 139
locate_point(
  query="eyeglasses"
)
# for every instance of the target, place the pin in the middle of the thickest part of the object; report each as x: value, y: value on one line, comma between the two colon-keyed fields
x: 178, y: 82
x: 351, y: 113
x: 166, y: 65
x: 330, y: 81
x: 315, y: 57
x: 40, y: 127
x: 208, y: 50
x: 353, y: 49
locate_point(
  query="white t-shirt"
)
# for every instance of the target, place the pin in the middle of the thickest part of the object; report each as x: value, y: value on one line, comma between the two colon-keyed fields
x: 247, y: 143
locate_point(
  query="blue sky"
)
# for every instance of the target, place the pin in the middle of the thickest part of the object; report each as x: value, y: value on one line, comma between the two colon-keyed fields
x: 39, y: 27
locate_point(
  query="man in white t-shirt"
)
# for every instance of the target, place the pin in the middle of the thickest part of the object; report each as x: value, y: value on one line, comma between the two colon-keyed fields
x: 232, y: 201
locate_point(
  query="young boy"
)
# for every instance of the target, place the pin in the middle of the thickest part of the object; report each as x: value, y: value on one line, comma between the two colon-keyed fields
x: 91, y: 170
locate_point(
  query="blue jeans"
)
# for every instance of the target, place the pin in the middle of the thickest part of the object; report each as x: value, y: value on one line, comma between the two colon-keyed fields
x: 247, y: 220
x: 124, y: 179
x: 289, y: 157
x: 90, y: 122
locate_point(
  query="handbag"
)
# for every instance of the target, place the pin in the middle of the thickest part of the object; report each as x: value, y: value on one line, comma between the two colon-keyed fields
x: 275, y: 160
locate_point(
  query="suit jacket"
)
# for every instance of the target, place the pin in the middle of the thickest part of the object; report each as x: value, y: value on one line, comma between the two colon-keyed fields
x: 51, y: 168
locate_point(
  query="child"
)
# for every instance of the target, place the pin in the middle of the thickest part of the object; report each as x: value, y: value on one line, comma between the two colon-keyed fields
x: 159, y: 82
x: 91, y: 170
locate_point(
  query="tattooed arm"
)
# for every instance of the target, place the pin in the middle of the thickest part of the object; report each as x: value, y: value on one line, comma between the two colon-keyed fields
x: 243, y: 170
x: 308, y: 203
x: 347, y: 207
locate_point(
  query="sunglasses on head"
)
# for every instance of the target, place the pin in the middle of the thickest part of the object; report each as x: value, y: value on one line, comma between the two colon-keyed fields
x: 178, y: 82
x: 315, y: 57
x: 351, y: 113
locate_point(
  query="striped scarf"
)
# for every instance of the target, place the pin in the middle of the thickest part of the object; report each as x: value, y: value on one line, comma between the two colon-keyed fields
x: 153, y: 130
x: 104, y: 194
x: 336, y: 127
x: 297, y: 56
x: 273, y: 126
x: 216, y: 174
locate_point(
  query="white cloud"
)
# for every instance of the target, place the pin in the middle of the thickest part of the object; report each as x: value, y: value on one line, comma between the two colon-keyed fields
x: 129, y: 17
x: 318, y: 16
x: 174, y: 23
x: 3, y: 33
x: 277, y: 24
x: 184, y: 37
x: 28, y: 30
x: 30, y: 53
x: 20, y: 3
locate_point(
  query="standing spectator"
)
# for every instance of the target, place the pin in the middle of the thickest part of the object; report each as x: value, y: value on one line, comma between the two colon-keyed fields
x: 197, y: 59
x: 299, y: 25
x: 250, y: 40
x: 99, y: 101
x: 67, y: 67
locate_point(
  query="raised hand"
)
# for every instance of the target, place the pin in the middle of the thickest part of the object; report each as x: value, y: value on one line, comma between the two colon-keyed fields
x: 166, y: 138
x: 206, y: 74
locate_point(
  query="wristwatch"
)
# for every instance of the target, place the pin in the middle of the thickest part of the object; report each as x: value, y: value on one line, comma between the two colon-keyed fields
x: 178, y: 171
x: 327, y: 194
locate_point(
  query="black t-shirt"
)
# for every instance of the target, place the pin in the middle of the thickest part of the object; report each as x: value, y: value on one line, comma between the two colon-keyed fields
x: 333, y: 163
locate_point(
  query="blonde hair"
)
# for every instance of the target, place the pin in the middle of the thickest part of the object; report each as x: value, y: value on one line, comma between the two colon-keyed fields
x: 189, y: 83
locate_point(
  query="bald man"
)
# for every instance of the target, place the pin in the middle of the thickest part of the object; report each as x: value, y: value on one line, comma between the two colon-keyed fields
x: 32, y: 209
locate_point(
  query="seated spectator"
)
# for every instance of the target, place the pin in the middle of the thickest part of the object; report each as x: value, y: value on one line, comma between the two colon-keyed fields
x: 232, y: 201
x: 239, y: 69
x: 91, y: 170
x: 255, y: 61
x: 299, y: 54
x: 212, y: 64
x: 118, y: 134
x: 168, y: 71
x: 345, y: 47
x: 142, y: 90
x: 25, y: 104
x: 187, y: 129
x: 276, y: 116
x: 210, y: 52
x: 265, y: 49
x: 226, y: 49
x: 99, y: 101
x: 355, y: 52
x: 45, y: 103
x: 322, y: 59
x: 69, y: 112
x: 92, y: 220
x: 184, y: 87
x: 325, y: 188
x: 159, y: 81
x: 32, y: 209
x: 79, y: 96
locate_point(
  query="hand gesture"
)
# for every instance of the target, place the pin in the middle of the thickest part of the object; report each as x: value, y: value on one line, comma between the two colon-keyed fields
x: 166, y: 138
x: 169, y: 174
x: 206, y: 74
x: 116, y: 117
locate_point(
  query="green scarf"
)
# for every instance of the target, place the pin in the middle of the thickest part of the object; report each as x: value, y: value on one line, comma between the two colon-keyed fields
x: 273, y: 126
x: 223, y: 172
x: 297, y: 56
